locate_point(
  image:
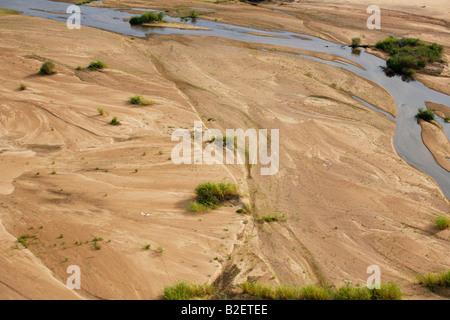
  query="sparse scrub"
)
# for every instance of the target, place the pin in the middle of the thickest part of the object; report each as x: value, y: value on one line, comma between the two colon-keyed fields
x: 97, y: 246
x: 102, y: 111
x: 47, y: 67
x: 23, y: 239
x: 193, y: 15
x: 187, y: 291
x: 139, y: 100
x: 269, y: 218
x: 97, y: 65
x: 442, y: 223
x: 147, y: 17
x: 435, y: 281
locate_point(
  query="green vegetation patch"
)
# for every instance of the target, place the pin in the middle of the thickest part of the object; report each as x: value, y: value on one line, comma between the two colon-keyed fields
x: 147, y: 17
x: 434, y: 281
x: 425, y: 114
x: 442, y: 223
x: 140, y: 100
x: 187, y: 291
x: 409, y: 54
x: 211, y: 196
x: 24, y: 239
x: 388, y: 291
x: 269, y: 218
x: 5, y: 12
x: 47, y: 67
x: 96, y: 65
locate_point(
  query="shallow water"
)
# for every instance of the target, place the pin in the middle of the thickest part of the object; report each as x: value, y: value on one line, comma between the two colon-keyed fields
x: 408, y: 96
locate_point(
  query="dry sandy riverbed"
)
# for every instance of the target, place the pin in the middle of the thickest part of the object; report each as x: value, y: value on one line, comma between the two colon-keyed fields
x: 369, y: 207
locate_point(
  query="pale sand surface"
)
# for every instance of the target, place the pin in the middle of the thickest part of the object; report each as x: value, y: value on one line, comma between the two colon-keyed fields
x: 369, y: 207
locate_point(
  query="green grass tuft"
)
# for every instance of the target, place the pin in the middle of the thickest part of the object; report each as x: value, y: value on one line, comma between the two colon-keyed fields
x: 389, y: 291
x: 211, y: 196
x: 434, y: 281
x: 97, y: 65
x: 187, y: 291
x: 139, y: 100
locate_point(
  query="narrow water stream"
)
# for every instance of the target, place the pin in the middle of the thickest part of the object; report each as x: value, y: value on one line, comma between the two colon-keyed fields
x: 408, y: 96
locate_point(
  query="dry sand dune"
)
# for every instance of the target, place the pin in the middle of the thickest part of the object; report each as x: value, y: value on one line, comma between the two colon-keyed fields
x: 66, y: 171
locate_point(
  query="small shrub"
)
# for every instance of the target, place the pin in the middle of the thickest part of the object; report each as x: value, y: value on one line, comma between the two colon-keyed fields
x: 147, y: 246
x: 193, y: 15
x: 96, y: 65
x: 212, y: 194
x: 47, y: 67
x: 61, y: 236
x: 187, y: 291
x: 442, y: 223
x: 356, y: 42
x: 114, y: 121
x: 22, y: 87
x: 97, y: 246
x: 102, y: 111
x: 426, y: 115
x: 78, y: 68
x: 139, y: 100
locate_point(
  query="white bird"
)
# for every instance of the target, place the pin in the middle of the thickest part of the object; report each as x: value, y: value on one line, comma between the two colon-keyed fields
x: 327, y: 165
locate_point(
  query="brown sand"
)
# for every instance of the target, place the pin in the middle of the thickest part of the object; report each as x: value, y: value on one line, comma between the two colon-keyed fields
x: 439, y: 109
x: 369, y: 207
x: 436, y: 141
